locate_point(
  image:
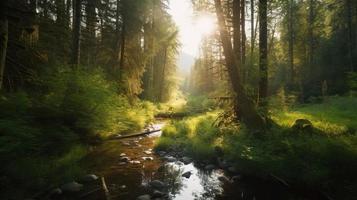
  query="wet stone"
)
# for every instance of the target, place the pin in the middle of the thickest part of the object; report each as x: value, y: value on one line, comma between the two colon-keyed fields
x: 209, y: 167
x: 157, y: 194
x: 187, y: 174
x: 122, y: 163
x: 236, y: 178
x: 148, y: 152
x: 148, y: 158
x: 186, y: 160
x: 157, y: 184
x: 135, y: 162
x: 170, y: 159
x: 89, y: 178
x: 144, y: 197
x: 55, y: 192
x: 232, y: 170
x: 71, y: 187
x: 124, y: 159
x: 224, y: 179
x: 122, y: 154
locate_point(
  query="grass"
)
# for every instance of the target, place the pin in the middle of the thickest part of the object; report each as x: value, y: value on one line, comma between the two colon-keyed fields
x: 335, y: 116
x: 325, y: 160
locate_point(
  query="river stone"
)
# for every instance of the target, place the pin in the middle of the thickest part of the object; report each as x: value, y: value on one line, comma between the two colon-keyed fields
x: 71, y: 187
x: 135, y: 162
x: 124, y: 159
x: 126, y: 143
x: 170, y: 159
x: 147, y: 152
x: 55, y: 192
x: 157, y: 194
x: 143, y: 197
x: 232, y: 170
x: 157, y: 184
x: 89, y: 178
x: 224, y: 179
x: 236, y: 178
x: 122, y: 163
x: 122, y: 187
x: 122, y: 154
x: 161, y: 153
x: 187, y: 174
x: 209, y: 167
x: 186, y: 160
x: 148, y: 158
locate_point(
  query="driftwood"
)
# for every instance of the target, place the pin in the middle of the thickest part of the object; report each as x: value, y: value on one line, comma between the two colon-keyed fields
x: 134, y: 135
x: 105, y: 189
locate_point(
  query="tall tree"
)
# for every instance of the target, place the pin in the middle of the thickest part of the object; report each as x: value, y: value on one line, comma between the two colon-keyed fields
x: 263, y: 53
x: 3, y: 38
x: 244, y: 107
x: 77, y: 8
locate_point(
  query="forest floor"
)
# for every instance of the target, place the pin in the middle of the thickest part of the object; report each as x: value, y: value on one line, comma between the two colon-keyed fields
x: 323, y: 158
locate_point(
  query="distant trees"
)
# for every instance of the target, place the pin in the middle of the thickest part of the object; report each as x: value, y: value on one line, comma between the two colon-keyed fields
x: 3, y: 39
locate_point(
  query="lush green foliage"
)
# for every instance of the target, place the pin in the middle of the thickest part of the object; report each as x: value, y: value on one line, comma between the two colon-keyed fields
x: 324, y: 159
x: 45, y: 129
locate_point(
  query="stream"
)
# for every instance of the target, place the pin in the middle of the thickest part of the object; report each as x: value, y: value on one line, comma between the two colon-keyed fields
x: 130, y: 165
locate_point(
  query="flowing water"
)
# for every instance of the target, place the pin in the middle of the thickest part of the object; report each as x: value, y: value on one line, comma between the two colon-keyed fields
x: 128, y: 180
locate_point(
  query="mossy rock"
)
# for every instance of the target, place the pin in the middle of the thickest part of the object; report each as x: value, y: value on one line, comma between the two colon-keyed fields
x: 303, y: 125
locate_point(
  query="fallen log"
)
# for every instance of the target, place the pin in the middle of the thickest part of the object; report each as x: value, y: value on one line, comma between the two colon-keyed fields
x: 134, y: 135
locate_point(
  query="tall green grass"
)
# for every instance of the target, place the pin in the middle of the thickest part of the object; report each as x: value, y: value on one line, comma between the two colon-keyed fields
x: 316, y: 160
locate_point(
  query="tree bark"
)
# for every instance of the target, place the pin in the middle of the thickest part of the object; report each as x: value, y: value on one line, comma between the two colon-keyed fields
x: 236, y: 31
x: 251, y: 30
x: 263, y: 54
x: 291, y: 43
x: 244, y: 108
x: 3, y: 40
x: 77, y: 5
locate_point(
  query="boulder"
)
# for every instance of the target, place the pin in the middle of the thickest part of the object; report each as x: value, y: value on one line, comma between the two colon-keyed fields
x: 144, y: 197
x: 71, y: 187
x: 302, y: 124
x: 187, y: 174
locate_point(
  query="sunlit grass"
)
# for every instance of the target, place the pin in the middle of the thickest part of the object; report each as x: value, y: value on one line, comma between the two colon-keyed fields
x: 335, y: 116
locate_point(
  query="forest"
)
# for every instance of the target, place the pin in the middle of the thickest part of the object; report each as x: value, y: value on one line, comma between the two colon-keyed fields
x: 178, y: 99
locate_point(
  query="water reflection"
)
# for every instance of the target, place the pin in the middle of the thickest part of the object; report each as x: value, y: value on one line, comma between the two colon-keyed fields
x: 129, y: 180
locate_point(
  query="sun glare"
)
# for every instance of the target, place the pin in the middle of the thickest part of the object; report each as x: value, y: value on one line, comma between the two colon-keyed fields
x: 205, y: 24
x: 192, y: 26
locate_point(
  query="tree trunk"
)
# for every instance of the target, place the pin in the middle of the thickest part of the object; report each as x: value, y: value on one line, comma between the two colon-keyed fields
x: 291, y: 44
x: 243, y: 32
x: 251, y: 30
x: 244, y: 106
x: 349, y: 32
x: 263, y: 54
x: 91, y: 22
x: 76, y: 32
x: 236, y: 31
x: 3, y: 41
